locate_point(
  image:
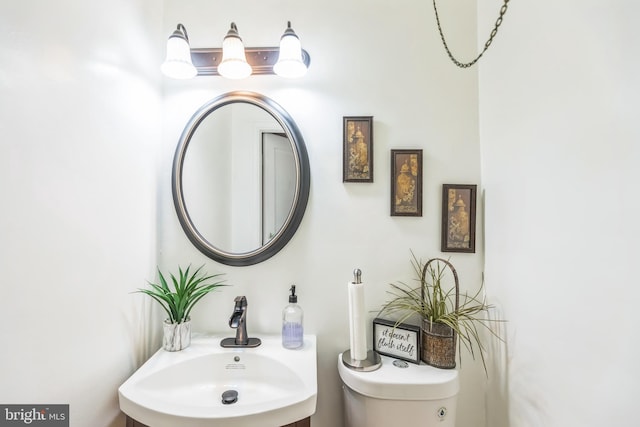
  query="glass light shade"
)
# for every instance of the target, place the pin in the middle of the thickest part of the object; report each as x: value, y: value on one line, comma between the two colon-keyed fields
x: 234, y: 63
x: 290, y: 62
x: 177, y: 64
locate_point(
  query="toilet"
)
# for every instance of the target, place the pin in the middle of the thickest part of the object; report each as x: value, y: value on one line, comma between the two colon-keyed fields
x: 399, y: 394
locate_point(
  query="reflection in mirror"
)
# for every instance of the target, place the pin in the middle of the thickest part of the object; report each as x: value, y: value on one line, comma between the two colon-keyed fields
x: 241, y: 178
x: 246, y: 162
x: 278, y: 183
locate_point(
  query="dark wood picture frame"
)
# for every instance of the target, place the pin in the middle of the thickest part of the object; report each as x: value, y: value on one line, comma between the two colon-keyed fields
x: 401, y: 341
x: 357, y: 149
x: 406, y: 182
x: 458, y: 218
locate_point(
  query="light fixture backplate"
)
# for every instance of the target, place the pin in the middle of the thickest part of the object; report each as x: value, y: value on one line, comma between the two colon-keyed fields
x: 261, y: 59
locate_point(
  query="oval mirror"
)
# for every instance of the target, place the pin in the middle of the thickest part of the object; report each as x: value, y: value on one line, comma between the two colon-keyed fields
x: 240, y: 178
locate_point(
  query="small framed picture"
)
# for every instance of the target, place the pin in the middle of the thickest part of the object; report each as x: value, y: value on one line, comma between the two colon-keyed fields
x: 357, y: 156
x: 401, y: 341
x: 406, y: 182
x: 458, y: 218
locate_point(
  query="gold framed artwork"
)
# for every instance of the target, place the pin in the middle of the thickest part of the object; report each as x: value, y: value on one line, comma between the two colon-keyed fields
x: 458, y: 218
x: 406, y: 182
x: 357, y: 156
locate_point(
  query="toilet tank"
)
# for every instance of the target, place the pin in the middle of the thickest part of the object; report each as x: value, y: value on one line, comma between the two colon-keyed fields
x: 399, y: 393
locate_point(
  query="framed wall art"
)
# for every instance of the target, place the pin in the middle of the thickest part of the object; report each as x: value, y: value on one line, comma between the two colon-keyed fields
x: 357, y: 156
x: 401, y: 341
x: 458, y: 218
x: 406, y: 182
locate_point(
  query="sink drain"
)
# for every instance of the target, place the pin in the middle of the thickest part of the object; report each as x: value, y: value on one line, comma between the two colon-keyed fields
x: 229, y: 397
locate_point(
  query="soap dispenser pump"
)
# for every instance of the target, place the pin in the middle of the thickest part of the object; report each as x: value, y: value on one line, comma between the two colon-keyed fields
x: 292, y: 332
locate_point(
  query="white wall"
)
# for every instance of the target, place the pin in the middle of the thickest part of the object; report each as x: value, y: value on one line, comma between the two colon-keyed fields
x: 559, y: 102
x: 356, y: 50
x: 79, y: 114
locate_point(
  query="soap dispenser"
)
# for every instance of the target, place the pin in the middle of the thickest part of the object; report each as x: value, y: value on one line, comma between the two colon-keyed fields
x: 292, y: 322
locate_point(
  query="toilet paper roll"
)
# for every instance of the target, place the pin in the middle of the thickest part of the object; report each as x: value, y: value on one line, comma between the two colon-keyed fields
x: 357, y: 321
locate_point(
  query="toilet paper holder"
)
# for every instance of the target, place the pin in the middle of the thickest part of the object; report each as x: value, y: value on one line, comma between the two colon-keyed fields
x: 371, y: 363
x: 373, y: 359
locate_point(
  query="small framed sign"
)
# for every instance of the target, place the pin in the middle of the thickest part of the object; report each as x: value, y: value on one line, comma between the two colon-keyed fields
x: 401, y: 340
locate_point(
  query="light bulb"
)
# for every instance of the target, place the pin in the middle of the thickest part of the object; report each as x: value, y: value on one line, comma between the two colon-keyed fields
x: 290, y: 62
x: 234, y: 63
x: 177, y: 64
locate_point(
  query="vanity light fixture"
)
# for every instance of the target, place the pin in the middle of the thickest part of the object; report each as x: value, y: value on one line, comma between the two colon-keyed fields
x: 235, y: 61
x: 177, y: 64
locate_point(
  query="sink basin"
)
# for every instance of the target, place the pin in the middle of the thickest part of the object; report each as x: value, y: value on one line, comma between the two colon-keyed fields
x: 274, y: 386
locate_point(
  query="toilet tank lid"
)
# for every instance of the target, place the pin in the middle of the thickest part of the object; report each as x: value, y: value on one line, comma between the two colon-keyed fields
x: 415, y: 382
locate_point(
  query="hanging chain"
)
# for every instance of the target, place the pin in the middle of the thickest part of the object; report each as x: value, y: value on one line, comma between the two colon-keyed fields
x: 503, y: 10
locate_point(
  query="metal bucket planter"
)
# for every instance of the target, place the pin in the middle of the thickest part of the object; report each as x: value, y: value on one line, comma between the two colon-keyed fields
x: 438, y: 345
x: 177, y: 336
x: 439, y: 340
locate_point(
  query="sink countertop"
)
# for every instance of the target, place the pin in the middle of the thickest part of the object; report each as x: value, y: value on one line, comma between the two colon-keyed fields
x: 277, y: 386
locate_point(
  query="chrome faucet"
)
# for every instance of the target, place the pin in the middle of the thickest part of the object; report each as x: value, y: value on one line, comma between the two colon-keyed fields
x: 238, y: 321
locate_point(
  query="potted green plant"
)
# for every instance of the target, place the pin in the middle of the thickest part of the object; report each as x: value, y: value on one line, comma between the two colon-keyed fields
x: 447, y: 319
x: 178, y: 300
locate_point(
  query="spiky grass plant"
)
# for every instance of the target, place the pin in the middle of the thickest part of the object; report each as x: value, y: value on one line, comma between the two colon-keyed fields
x: 188, y: 289
x: 439, y: 306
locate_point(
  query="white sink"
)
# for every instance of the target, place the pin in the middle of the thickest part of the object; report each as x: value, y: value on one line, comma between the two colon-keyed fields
x: 275, y: 386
